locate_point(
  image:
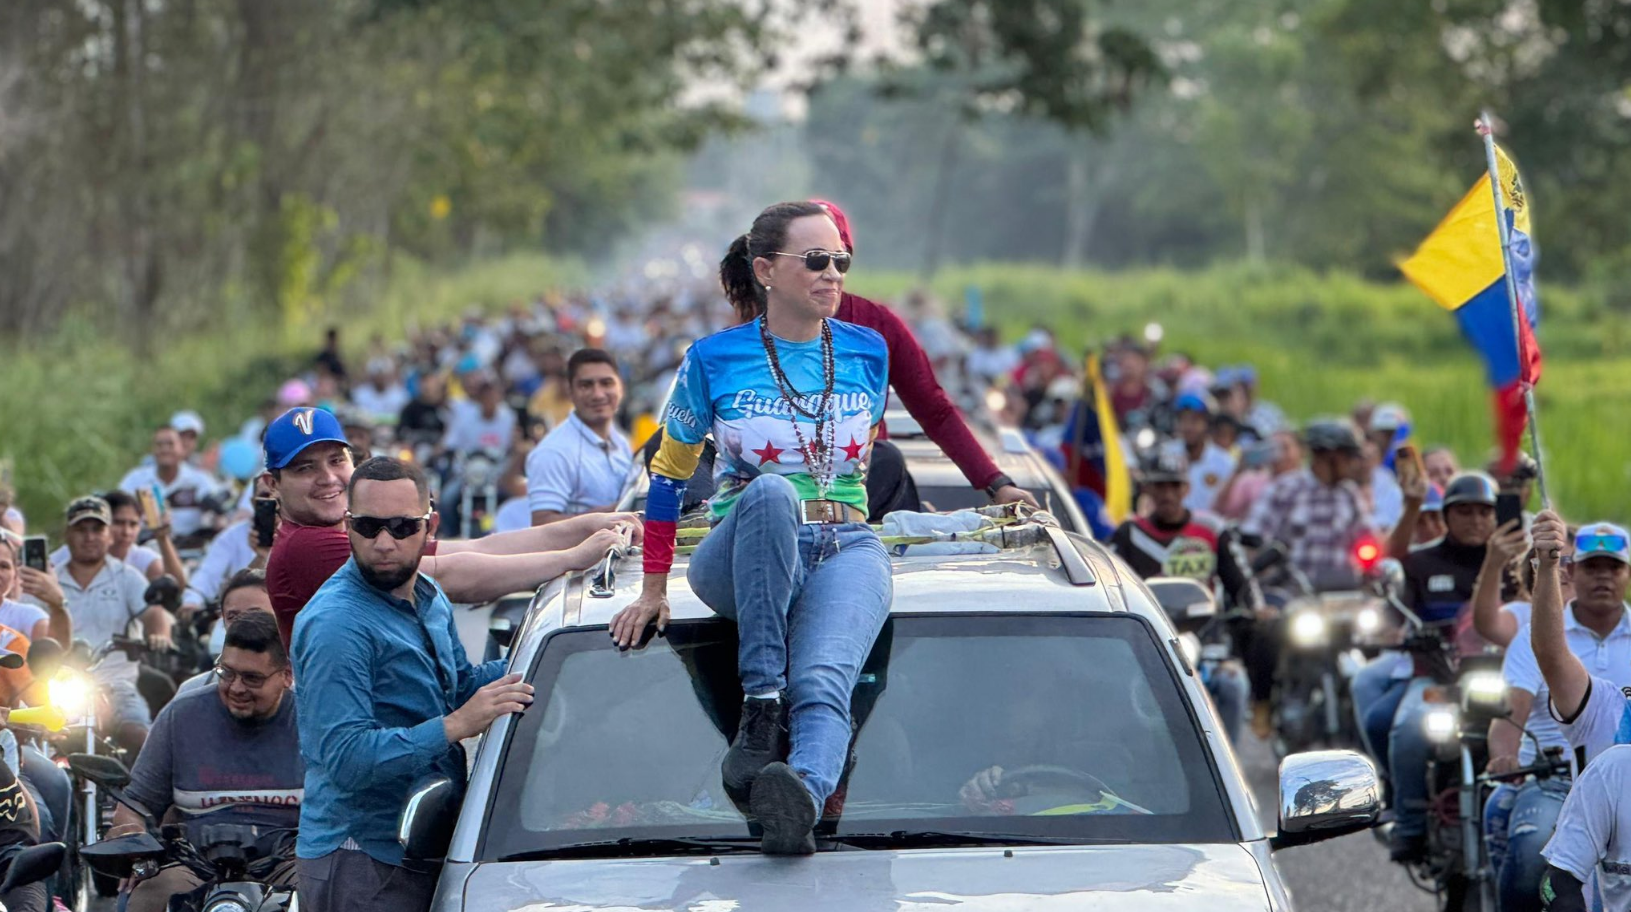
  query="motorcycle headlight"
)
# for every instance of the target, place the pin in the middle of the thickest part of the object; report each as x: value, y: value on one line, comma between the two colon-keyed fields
x: 71, y: 695
x: 226, y: 905
x: 1484, y: 691
x: 1441, y: 724
x: 1368, y: 620
x: 1308, y: 629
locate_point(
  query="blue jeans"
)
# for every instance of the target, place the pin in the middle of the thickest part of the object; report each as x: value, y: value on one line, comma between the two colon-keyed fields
x: 1376, y: 696
x: 1230, y: 692
x: 1407, y: 755
x: 808, y: 602
x: 1520, y: 819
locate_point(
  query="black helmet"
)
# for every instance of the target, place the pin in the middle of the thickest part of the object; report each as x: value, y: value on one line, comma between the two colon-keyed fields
x: 1331, y: 434
x: 1471, y: 488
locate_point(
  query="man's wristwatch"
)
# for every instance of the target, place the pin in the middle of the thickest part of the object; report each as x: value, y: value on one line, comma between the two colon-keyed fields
x: 997, y: 484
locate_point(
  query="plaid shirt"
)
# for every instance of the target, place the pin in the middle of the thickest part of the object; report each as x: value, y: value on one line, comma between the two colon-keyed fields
x: 1319, y: 524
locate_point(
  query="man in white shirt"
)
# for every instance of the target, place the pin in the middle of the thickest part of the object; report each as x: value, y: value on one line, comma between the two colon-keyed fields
x: 1209, y: 464
x: 189, y: 428
x: 127, y: 527
x: 990, y: 360
x: 581, y: 466
x: 183, y: 486
x: 382, y: 397
x: 484, y: 423
x: 1587, y: 854
x: 104, y: 596
x: 231, y: 551
x: 1523, y: 819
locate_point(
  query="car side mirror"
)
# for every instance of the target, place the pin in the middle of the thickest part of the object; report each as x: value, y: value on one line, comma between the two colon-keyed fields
x: 426, y: 828
x: 104, y: 771
x: 502, y: 631
x: 1326, y: 794
x: 1391, y: 572
x: 1186, y: 602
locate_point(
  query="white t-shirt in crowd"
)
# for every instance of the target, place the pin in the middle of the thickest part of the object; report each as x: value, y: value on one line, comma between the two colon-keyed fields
x: 184, y: 496
x: 470, y: 432
x: 572, y: 470
x: 228, y: 553
x: 141, y: 557
x: 988, y: 364
x: 1593, y: 834
x: 1607, y: 657
x: 381, y: 405
x: 21, y: 617
x: 1207, y: 475
x: 1387, y: 498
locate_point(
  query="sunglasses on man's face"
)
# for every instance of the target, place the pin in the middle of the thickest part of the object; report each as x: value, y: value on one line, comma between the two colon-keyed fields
x: 819, y: 260
x: 400, y: 527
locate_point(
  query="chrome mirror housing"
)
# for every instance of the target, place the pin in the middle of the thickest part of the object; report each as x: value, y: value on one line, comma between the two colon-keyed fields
x: 1326, y: 794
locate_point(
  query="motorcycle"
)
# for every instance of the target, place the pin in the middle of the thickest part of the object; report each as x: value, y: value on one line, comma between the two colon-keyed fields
x: 1329, y: 633
x: 231, y: 859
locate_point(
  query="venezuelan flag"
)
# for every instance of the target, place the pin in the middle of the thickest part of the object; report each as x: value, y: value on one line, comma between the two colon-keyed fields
x: 1460, y: 266
x: 1092, y: 446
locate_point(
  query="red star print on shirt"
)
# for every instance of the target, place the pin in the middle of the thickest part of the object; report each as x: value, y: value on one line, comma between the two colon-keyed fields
x: 853, y: 451
x: 769, y: 454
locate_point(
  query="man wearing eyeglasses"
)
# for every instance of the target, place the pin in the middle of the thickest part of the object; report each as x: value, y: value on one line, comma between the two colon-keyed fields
x: 386, y: 696
x: 227, y: 754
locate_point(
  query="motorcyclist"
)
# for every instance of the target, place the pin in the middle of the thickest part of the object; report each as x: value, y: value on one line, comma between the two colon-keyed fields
x: 1209, y: 464
x: 1316, y: 512
x: 1172, y: 540
x: 183, y: 486
x: 1439, y: 582
x: 226, y: 755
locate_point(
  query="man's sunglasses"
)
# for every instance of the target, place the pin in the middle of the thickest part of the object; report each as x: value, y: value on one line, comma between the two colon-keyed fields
x: 819, y: 260
x: 400, y: 527
x: 1600, y: 543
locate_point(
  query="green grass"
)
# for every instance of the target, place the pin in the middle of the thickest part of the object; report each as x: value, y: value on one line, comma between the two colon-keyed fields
x: 79, y: 407
x: 1320, y: 342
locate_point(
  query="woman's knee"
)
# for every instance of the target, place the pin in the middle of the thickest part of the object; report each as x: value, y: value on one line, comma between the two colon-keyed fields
x: 770, y: 491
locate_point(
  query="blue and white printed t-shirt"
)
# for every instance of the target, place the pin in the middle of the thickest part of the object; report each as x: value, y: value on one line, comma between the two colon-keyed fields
x: 725, y: 386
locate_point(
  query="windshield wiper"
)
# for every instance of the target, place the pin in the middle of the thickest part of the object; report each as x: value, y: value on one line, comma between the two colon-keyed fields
x: 630, y: 847
x: 905, y: 839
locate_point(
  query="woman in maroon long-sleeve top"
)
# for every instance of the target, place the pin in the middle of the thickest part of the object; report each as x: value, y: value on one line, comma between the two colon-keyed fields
x: 912, y: 376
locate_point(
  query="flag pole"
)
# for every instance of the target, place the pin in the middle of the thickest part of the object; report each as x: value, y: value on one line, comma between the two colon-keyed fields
x: 1486, y: 129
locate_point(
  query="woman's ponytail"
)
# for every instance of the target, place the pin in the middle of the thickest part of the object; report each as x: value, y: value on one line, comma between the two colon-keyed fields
x: 737, y: 278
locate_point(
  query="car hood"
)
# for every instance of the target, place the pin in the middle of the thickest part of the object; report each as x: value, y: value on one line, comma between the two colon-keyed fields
x: 1218, y: 878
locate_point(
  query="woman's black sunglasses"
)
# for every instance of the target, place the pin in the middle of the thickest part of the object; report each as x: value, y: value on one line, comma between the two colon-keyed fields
x: 818, y: 260
x: 400, y: 527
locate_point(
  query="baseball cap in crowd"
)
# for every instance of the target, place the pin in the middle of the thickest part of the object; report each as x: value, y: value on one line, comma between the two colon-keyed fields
x: 1602, y: 540
x: 293, y: 393
x: 1166, y: 464
x: 297, y: 429
x: 1193, y: 402
x: 89, y: 508
x: 1389, y: 416
x: 187, y: 421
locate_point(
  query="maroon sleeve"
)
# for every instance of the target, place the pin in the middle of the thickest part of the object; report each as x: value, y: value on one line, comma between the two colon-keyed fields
x: 913, y: 379
x: 300, y: 563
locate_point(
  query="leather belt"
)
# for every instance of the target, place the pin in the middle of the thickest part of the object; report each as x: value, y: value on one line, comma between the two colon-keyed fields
x: 829, y: 511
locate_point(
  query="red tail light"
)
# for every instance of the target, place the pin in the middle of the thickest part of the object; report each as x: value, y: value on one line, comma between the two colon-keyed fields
x: 1367, y: 553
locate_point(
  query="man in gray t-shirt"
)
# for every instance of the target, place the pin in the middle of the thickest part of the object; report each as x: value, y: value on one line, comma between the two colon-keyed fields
x: 229, y: 754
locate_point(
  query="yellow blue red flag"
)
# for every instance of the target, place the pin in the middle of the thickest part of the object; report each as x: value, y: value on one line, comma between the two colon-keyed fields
x: 1460, y: 266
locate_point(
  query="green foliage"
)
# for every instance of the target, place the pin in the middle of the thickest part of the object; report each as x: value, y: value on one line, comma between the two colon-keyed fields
x: 1321, y: 341
x: 80, y: 406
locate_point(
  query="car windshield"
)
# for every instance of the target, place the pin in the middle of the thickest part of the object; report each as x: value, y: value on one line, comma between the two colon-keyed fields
x: 1081, y: 713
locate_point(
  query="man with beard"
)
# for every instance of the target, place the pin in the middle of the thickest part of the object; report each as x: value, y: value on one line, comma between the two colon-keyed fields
x: 386, y: 696
x: 309, y: 463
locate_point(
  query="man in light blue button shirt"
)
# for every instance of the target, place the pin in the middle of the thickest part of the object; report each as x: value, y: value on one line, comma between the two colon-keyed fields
x: 385, y: 696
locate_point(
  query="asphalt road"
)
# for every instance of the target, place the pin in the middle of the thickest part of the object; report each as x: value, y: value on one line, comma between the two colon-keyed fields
x: 1351, y: 874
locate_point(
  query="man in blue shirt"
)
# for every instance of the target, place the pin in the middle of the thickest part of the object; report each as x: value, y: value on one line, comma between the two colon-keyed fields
x: 385, y: 697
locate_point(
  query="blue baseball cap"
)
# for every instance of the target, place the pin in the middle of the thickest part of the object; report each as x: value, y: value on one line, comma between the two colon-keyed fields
x: 297, y: 429
x: 1192, y: 402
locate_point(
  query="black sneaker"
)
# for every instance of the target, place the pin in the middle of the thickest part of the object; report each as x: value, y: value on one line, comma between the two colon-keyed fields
x: 1405, y: 849
x: 761, y: 739
x: 785, y: 811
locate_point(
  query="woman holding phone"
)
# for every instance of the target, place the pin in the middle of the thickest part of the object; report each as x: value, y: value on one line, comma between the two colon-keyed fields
x: 792, y: 398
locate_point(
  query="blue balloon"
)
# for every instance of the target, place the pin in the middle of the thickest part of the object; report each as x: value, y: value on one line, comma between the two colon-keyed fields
x: 240, y: 458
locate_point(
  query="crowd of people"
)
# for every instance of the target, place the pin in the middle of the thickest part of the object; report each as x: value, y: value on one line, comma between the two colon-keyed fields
x: 315, y: 538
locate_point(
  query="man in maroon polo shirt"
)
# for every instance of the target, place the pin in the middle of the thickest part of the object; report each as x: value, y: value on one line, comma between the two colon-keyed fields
x: 309, y: 464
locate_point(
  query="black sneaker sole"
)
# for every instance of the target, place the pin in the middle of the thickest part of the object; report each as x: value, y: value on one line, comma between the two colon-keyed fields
x: 785, y: 811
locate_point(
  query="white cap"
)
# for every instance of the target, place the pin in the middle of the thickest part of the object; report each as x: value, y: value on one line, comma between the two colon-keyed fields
x: 184, y: 421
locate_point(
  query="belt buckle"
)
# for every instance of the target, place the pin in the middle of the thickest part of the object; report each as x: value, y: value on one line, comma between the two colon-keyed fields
x: 822, y: 511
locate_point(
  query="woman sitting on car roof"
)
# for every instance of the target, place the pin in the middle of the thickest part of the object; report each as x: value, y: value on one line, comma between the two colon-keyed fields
x: 793, y: 399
